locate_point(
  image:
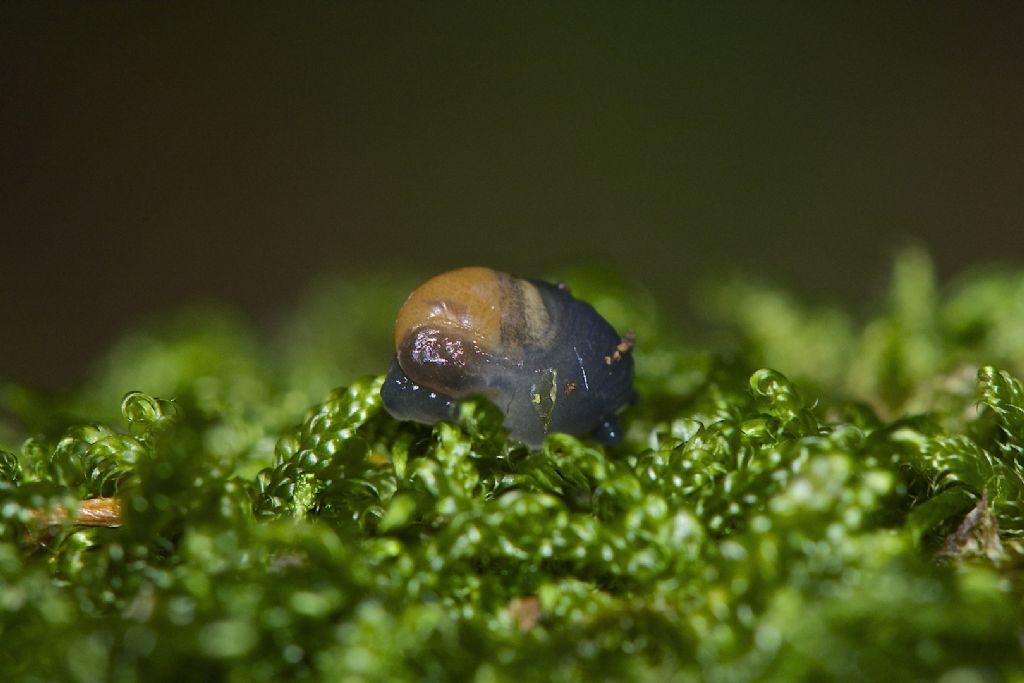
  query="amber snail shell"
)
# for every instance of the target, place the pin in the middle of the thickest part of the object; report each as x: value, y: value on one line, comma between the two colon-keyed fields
x: 549, y: 361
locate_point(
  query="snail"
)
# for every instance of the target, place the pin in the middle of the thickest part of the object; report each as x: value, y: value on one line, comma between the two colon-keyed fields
x: 549, y: 361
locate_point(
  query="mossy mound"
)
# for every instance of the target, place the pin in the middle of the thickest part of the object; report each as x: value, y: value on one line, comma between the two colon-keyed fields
x: 852, y: 513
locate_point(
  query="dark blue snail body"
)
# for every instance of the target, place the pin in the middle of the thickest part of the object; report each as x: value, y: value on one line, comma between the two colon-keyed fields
x: 549, y: 361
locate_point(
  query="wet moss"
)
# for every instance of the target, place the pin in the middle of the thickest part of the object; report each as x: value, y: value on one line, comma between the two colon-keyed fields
x: 819, y: 497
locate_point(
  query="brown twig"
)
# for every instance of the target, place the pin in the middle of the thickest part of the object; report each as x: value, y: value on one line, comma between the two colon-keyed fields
x: 91, y: 512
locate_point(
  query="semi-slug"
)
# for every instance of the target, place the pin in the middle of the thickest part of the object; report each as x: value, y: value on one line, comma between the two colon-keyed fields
x: 549, y: 361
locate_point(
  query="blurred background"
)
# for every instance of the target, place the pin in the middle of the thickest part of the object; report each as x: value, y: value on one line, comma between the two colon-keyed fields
x: 159, y: 155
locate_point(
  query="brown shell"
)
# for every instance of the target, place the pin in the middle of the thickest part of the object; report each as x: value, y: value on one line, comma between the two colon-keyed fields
x: 477, y: 312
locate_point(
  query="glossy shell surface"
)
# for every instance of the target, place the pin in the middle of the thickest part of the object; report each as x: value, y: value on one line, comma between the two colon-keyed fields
x: 549, y: 361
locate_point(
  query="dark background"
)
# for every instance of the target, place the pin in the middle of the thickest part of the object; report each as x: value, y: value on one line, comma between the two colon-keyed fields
x: 156, y: 154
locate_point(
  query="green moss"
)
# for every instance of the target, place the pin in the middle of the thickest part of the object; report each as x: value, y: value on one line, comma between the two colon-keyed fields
x: 852, y: 513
